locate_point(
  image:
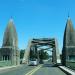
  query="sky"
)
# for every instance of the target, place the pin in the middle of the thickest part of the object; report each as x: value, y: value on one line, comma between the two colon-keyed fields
x: 36, y: 19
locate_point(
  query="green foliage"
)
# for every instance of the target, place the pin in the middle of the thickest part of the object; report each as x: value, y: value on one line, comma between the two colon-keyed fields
x: 43, y: 55
x: 22, y: 54
x: 39, y: 54
x: 33, y: 54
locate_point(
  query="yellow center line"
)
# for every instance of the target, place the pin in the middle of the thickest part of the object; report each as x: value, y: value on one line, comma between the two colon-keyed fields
x: 34, y: 70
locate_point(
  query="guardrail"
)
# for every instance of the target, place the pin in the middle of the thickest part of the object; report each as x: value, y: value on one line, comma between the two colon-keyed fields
x: 67, y: 70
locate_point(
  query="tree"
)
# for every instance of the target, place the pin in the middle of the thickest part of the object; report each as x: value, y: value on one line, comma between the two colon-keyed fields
x: 22, y: 54
x: 33, y: 54
x: 43, y: 55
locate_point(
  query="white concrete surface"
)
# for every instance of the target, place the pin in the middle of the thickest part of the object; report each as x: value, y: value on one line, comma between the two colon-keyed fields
x: 7, y: 67
x: 72, y: 72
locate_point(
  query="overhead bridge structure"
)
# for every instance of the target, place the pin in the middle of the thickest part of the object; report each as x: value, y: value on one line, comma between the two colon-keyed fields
x: 38, y: 44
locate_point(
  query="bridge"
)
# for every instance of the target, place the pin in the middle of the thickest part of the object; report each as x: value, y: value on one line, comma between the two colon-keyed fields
x: 36, y: 44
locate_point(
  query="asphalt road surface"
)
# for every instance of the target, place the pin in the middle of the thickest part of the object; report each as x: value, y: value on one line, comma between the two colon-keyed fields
x: 20, y: 70
x: 45, y: 69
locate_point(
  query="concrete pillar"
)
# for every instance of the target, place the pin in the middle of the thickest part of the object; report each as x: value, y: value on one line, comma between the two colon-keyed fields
x: 2, y: 58
x: 27, y: 51
x: 54, y: 55
x: 7, y: 58
x: 58, y: 60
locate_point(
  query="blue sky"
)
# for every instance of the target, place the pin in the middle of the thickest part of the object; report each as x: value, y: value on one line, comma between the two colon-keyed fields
x: 36, y: 18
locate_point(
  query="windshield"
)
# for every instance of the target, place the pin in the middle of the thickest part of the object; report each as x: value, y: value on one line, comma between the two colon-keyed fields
x: 33, y: 59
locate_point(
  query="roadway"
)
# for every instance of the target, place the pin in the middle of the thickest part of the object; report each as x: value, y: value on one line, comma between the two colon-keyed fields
x: 20, y: 70
x: 45, y: 69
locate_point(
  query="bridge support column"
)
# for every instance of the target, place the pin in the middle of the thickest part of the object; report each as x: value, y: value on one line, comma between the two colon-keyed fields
x: 27, y: 52
x: 54, y: 56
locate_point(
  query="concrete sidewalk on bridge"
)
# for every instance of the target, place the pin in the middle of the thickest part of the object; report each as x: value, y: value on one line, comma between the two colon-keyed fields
x: 8, y: 67
x: 67, y: 70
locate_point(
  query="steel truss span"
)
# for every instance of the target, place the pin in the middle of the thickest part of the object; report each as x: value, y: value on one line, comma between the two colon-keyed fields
x: 36, y: 44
